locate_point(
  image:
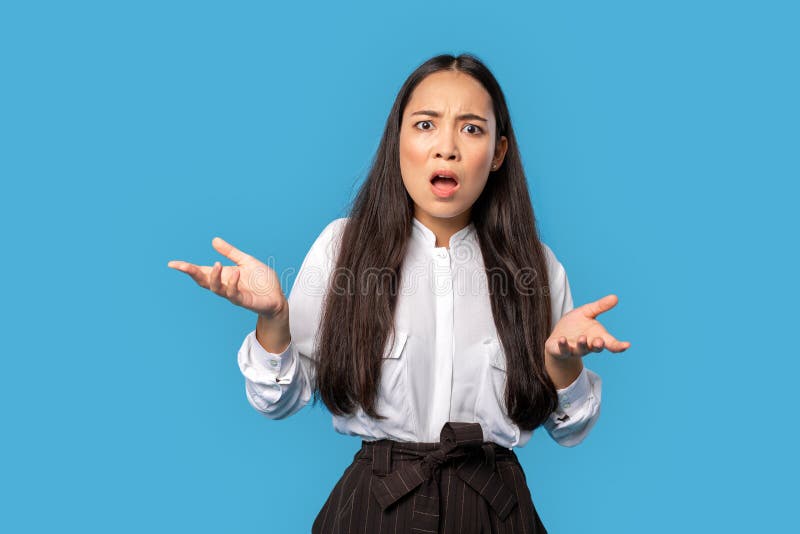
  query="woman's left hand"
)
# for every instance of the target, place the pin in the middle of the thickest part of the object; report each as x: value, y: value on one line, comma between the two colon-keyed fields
x: 578, y: 332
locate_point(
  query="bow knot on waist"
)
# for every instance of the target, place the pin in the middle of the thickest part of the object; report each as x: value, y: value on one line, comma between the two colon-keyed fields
x: 450, y: 451
x: 462, y: 442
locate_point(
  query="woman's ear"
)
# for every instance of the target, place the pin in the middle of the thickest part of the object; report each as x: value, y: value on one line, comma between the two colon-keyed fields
x: 499, y: 152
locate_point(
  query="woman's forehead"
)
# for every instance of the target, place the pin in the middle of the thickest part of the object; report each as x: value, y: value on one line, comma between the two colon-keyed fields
x: 449, y: 92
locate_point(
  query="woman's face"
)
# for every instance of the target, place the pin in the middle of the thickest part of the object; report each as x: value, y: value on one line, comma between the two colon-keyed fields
x: 448, y: 125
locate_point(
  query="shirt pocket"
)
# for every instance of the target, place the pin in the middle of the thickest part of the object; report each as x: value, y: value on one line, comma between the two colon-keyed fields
x: 496, y: 359
x: 490, y: 404
x: 393, y: 400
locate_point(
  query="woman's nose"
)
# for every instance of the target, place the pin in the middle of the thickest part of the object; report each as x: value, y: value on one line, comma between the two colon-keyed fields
x: 447, y: 147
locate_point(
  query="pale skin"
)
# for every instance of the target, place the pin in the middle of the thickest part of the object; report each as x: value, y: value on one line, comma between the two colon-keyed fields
x: 575, y: 335
x: 448, y: 123
x: 250, y: 284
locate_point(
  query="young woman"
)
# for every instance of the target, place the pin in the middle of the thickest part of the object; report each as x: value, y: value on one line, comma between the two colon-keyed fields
x: 432, y: 322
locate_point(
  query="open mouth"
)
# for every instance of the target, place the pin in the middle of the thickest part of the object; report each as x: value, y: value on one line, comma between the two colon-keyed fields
x: 444, y: 181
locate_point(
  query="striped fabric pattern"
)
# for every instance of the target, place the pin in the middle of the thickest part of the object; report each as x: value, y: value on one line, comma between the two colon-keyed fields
x: 458, y: 485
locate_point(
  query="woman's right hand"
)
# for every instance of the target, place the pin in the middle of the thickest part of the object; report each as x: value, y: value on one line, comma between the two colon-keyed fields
x: 249, y: 284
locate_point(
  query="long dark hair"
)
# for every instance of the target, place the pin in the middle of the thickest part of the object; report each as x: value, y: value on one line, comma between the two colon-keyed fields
x: 356, y: 322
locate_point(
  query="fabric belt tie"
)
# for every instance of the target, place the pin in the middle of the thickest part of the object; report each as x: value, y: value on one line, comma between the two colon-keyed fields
x: 458, y: 441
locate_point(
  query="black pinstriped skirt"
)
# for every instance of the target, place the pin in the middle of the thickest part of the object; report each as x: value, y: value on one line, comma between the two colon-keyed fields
x: 460, y: 485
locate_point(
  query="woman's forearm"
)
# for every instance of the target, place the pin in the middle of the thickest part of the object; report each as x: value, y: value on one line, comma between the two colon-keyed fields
x: 272, y: 332
x: 563, y: 372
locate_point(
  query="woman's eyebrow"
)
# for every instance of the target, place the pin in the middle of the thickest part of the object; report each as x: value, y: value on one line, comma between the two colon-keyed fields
x: 470, y: 116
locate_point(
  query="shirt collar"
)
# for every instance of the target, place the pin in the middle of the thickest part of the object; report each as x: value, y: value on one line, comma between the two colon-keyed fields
x: 426, y: 235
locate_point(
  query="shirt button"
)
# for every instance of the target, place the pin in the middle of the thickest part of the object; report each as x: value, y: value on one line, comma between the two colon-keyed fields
x: 273, y: 363
x: 566, y: 405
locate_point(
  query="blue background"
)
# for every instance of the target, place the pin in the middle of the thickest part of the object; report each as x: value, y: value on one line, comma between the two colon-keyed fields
x: 661, y: 144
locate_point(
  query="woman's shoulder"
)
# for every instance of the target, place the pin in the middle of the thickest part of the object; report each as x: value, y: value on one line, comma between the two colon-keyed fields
x: 549, y: 255
x: 560, y: 294
x: 555, y: 269
x: 332, y: 233
x: 326, y: 245
x: 337, y: 225
x: 333, y: 228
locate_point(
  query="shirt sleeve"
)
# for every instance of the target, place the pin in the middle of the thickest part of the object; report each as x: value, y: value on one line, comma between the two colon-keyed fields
x: 579, y: 403
x: 279, y: 385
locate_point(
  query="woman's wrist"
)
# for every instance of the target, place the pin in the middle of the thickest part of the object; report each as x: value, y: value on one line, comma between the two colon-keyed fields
x: 272, y: 331
x: 563, y: 371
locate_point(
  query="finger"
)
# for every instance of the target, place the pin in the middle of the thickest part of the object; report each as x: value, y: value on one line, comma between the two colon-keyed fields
x: 593, y: 309
x: 597, y: 344
x: 622, y: 346
x: 178, y: 265
x: 198, y: 274
x: 583, y: 347
x: 229, y: 251
x: 614, y: 345
x: 232, y: 287
x: 215, y: 278
x: 551, y: 347
x: 563, y: 348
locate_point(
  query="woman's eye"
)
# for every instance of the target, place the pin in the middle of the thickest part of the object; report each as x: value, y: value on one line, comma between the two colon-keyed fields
x: 475, y: 129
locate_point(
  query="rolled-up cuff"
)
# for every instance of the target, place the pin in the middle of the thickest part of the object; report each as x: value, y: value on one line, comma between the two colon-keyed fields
x: 577, y: 391
x: 274, y: 363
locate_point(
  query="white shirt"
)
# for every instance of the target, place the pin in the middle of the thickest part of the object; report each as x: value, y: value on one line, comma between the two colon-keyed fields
x: 446, y: 362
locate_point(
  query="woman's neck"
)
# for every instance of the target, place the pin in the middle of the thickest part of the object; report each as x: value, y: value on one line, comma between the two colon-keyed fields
x: 443, y: 227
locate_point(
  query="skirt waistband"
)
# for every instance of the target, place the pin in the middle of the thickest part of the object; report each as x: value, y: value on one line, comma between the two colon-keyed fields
x: 459, y: 442
x: 404, y: 450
